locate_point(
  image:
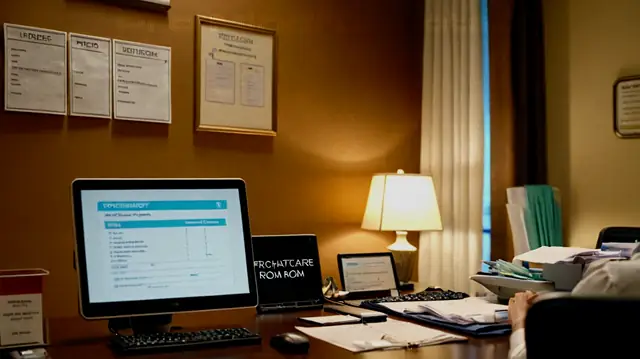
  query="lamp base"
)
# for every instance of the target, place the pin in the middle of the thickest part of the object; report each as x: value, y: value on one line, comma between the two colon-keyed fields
x: 404, y: 256
x: 406, y: 286
x: 405, y: 262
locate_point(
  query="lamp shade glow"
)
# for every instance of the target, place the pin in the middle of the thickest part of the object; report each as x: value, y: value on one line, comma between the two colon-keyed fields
x: 402, y: 202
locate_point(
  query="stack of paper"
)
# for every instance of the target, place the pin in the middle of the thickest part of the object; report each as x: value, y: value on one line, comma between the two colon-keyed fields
x: 462, y: 311
x: 513, y: 270
x: 392, y: 334
x: 467, y: 311
x: 626, y: 250
x: 550, y: 255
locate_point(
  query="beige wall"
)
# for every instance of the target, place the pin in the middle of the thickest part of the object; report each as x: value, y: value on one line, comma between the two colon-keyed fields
x: 590, y: 43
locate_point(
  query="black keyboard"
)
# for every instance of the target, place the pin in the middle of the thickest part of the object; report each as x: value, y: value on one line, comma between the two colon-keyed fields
x: 179, y: 341
x: 426, y: 295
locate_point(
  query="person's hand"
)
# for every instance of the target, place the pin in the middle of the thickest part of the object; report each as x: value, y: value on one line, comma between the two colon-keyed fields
x: 518, y: 307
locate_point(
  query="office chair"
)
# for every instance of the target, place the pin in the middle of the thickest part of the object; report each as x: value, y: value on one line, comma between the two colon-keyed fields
x: 565, y: 326
x: 618, y: 235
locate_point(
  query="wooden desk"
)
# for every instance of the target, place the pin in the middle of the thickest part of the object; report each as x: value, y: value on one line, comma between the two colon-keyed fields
x: 268, y: 326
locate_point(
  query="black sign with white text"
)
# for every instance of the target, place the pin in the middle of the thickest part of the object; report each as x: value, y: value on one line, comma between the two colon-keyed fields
x: 287, y: 270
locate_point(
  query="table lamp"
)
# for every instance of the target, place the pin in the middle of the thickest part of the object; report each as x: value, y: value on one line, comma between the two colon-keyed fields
x: 402, y: 202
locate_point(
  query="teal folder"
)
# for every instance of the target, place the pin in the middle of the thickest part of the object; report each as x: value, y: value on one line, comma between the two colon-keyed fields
x: 543, y: 217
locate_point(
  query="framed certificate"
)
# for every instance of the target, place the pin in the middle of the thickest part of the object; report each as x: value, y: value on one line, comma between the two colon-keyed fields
x: 235, y: 77
x: 626, y: 107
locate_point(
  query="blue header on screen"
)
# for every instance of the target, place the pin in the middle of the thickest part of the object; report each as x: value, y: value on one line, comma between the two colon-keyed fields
x: 161, y: 206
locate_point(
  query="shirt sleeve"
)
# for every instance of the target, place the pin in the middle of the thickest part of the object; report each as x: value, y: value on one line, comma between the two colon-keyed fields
x: 517, y: 345
x: 596, y: 279
x: 610, y: 277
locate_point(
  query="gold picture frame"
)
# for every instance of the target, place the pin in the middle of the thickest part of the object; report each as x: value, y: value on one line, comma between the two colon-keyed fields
x: 236, y: 79
x: 626, y: 100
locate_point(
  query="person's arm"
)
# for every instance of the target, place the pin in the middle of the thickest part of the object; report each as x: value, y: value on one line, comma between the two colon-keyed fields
x: 610, y: 277
x: 518, y: 307
x: 517, y: 345
x: 596, y: 279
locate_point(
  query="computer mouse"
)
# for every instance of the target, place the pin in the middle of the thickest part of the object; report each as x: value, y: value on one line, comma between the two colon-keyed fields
x: 293, y: 343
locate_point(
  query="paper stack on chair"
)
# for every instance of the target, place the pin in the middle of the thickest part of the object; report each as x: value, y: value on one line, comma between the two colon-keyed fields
x: 556, y: 268
x: 551, y: 255
x: 627, y: 250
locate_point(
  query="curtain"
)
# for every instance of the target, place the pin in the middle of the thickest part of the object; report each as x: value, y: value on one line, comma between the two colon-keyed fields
x: 528, y: 81
x: 452, y: 141
x: 518, y: 118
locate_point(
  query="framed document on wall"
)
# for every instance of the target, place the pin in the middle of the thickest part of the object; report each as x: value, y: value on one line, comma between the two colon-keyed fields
x: 626, y: 107
x: 235, y: 77
x: 156, y: 5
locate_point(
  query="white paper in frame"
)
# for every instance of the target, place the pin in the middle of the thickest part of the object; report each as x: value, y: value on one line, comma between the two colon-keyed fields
x: 235, y: 77
x: 35, y: 70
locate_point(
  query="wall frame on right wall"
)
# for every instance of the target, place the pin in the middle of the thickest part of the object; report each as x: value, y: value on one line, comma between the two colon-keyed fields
x: 626, y: 107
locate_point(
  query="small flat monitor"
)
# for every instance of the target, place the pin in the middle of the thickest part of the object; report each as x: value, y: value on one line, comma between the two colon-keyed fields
x: 368, y: 272
x: 162, y: 246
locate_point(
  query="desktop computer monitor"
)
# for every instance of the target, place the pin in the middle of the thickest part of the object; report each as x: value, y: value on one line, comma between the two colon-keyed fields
x: 162, y: 246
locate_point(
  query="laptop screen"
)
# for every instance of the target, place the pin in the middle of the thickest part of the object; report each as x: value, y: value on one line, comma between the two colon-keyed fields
x: 368, y: 273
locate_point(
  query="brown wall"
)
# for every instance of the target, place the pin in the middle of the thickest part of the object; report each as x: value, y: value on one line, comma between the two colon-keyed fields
x: 349, y: 105
x: 589, y: 44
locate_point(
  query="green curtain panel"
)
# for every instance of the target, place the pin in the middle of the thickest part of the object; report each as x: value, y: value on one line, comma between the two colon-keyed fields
x: 543, y: 219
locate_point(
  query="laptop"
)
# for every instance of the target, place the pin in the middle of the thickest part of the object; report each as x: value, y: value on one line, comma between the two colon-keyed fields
x: 368, y: 276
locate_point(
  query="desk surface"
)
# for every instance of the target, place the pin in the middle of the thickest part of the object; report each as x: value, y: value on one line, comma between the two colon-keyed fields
x: 272, y: 324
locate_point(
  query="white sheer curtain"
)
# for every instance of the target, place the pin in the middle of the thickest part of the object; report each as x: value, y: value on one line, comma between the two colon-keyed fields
x: 452, y: 141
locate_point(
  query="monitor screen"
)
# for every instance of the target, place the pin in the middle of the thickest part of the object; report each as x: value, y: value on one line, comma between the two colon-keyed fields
x: 162, y: 245
x: 364, y: 273
x: 158, y: 244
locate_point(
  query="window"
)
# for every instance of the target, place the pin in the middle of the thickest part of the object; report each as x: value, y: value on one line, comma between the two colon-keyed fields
x: 486, y: 190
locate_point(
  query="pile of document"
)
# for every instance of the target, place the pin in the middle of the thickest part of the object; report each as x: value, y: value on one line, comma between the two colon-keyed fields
x: 463, y: 311
x: 392, y: 334
x: 551, y: 255
x: 547, y: 268
x: 473, y: 316
x: 608, y: 251
x: 507, y: 269
x: 626, y: 250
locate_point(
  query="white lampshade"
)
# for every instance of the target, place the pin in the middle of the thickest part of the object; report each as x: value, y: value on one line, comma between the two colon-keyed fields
x: 402, y: 202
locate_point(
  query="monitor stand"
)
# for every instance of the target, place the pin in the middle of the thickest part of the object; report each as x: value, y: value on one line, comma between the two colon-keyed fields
x: 146, y: 324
